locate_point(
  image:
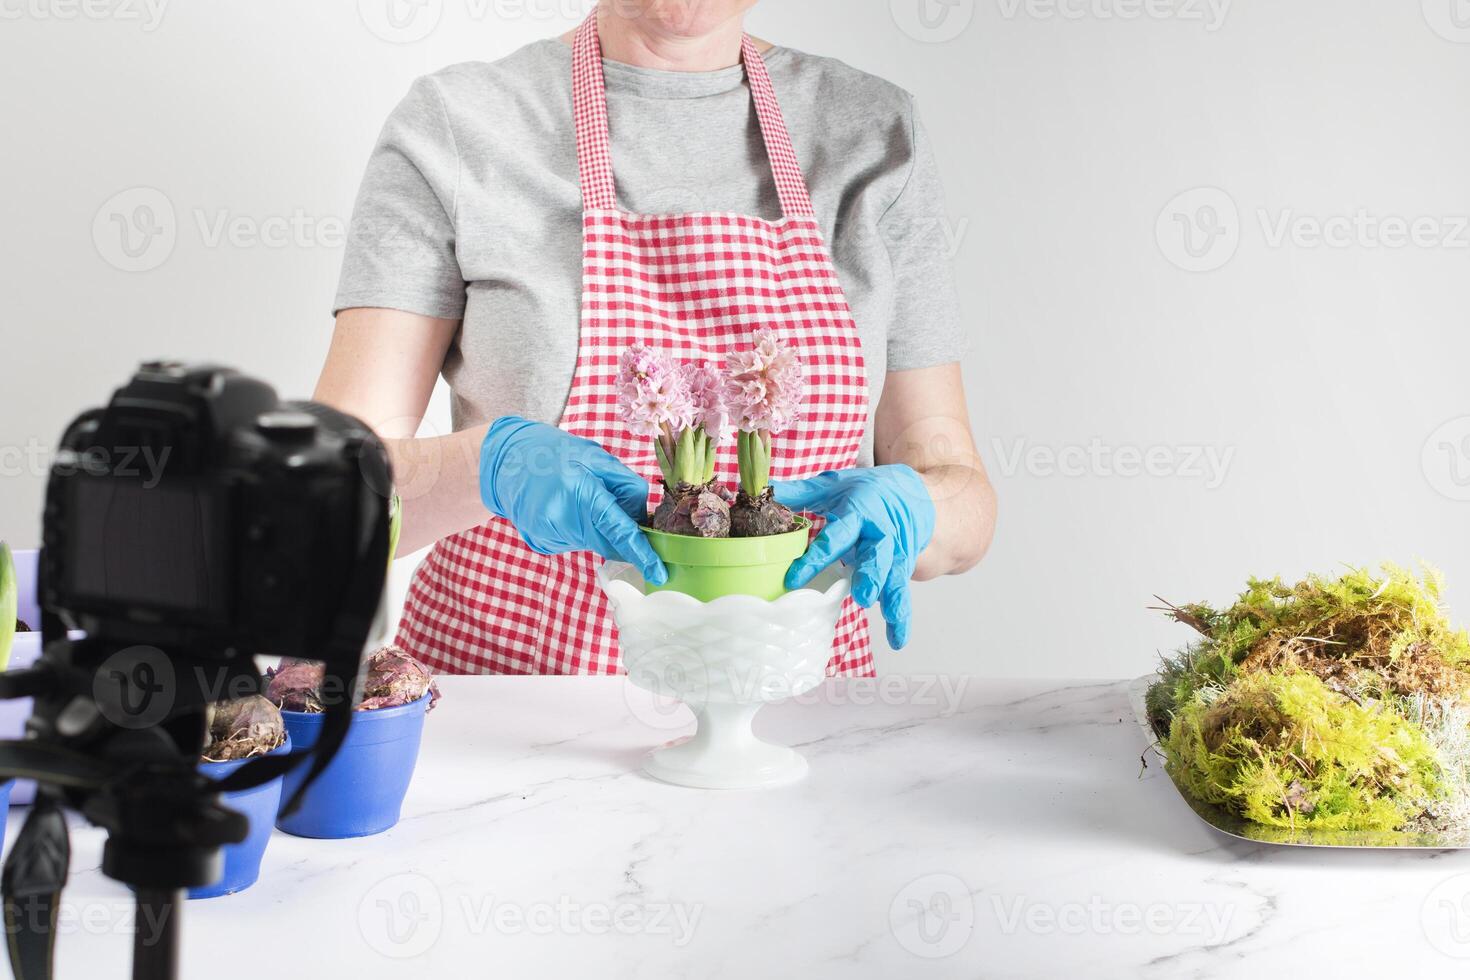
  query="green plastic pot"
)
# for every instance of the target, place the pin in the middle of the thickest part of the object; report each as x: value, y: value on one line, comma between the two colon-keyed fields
x: 708, y: 568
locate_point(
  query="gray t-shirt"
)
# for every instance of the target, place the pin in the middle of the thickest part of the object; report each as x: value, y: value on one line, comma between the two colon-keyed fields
x: 471, y: 208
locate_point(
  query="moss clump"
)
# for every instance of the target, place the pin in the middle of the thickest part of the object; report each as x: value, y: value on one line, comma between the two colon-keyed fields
x: 1366, y: 635
x: 1286, y: 751
x: 1308, y: 705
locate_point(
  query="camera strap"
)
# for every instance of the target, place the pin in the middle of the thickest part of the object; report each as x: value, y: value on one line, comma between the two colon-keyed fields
x: 35, y: 873
x: 350, y: 635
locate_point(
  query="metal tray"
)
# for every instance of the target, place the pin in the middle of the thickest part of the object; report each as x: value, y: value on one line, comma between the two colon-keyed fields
x: 1231, y: 825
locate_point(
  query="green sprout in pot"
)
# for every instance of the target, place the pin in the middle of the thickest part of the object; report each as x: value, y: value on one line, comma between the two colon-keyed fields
x: 395, y: 527
x: 9, y: 604
x: 681, y: 407
x: 390, y: 679
x: 243, y: 729
x: 764, y: 387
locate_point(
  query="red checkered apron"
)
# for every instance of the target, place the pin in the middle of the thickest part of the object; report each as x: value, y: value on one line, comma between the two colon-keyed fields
x: 697, y: 286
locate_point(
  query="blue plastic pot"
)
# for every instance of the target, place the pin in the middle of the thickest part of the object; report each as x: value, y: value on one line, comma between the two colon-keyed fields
x: 242, y: 861
x: 28, y: 610
x: 361, y: 792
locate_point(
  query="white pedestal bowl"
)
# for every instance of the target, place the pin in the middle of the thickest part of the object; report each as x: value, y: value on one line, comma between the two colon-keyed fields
x: 725, y: 659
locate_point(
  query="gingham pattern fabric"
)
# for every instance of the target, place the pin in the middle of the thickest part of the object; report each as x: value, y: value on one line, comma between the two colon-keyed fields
x: 696, y: 286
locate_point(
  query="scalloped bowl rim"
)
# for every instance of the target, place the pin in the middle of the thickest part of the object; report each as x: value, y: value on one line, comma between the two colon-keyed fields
x: 614, y: 577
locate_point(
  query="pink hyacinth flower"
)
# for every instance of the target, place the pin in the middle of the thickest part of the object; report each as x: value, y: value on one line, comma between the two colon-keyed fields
x: 765, y: 385
x: 706, y: 386
x: 653, y: 395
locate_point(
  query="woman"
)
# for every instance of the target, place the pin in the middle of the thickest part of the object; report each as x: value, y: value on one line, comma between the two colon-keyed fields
x: 504, y: 198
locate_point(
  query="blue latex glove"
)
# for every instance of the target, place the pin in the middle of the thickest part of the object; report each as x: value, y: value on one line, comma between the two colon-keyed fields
x: 564, y: 493
x: 879, y: 520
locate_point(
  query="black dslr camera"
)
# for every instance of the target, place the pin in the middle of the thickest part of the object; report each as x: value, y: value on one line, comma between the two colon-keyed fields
x: 194, y: 522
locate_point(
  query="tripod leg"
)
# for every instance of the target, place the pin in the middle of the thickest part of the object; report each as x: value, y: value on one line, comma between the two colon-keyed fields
x: 156, y: 934
x: 31, y: 887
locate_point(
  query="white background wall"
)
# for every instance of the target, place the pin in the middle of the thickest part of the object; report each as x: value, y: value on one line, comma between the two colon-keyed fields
x: 1330, y: 376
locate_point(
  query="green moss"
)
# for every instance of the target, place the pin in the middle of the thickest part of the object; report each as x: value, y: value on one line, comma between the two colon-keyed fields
x: 1287, y: 751
x: 1197, y: 668
x: 1292, y: 708
x: 1375, y: 635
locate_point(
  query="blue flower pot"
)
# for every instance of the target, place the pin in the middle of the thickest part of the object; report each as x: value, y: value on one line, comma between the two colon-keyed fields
x: 242, y: 861
x: 361, y: 792
x: 27, y: 563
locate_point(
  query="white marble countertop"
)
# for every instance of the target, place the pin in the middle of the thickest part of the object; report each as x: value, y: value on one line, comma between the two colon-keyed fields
x: 1011, y: 813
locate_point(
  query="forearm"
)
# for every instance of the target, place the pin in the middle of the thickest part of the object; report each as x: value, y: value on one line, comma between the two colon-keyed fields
x: 965, y: 511
x: 381, y: 369
x: 438, y: 480
x: 923, y: 422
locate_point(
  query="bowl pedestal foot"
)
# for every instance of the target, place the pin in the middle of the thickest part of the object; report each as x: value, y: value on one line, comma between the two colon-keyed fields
x: 724, y: 753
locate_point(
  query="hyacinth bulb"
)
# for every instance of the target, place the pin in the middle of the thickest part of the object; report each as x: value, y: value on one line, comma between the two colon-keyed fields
x: 296, y: 685
x: 700, y: 513
x: 390, y: 678
x: 244, y: 728
x: 394, y: 678
x: 759, y: 517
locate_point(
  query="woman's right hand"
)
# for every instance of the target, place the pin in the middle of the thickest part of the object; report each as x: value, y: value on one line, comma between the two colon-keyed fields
x: 564, y: 493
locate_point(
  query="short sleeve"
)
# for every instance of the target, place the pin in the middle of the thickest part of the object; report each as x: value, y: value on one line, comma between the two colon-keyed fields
x: 401, y: 245
x: 925, y: 330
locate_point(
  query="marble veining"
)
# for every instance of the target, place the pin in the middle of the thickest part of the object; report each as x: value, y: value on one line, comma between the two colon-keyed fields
x: 968, y: 829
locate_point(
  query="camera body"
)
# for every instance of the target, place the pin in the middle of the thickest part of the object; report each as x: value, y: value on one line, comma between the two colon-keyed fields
x: 194, y: 522
x: 200, y: 514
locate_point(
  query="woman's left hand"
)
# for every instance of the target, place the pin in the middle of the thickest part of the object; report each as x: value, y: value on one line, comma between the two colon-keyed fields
x: 879, y: 519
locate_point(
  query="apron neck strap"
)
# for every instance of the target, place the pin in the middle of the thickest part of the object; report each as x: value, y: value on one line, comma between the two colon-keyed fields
x: 594, y: 144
